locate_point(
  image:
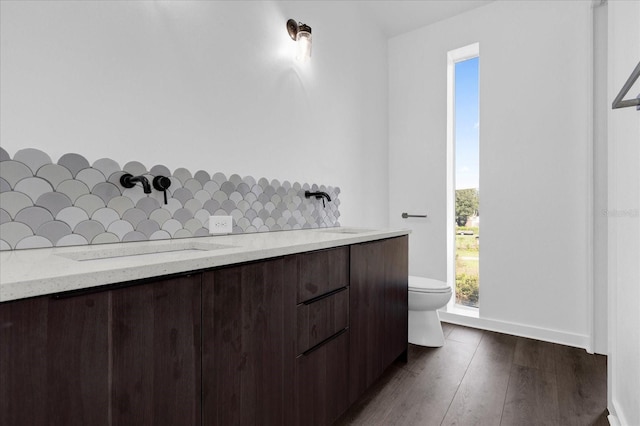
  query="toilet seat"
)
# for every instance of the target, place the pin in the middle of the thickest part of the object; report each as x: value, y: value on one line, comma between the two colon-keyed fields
x: 427, y: 285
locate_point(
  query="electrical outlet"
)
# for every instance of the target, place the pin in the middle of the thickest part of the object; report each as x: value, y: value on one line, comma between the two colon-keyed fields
x: 220, y: 224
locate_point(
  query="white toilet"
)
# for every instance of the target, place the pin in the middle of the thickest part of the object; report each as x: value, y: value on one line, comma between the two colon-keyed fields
x: 426, y: 296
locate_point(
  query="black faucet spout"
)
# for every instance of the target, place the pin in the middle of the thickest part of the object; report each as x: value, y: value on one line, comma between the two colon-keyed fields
x: 318, y: 195
x: 129, y: 181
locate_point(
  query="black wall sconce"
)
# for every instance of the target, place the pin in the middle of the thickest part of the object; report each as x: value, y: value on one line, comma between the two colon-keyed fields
x: 301, y: 34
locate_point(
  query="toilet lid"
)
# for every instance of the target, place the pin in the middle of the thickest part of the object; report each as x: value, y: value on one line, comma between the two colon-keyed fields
x: 427, y: 285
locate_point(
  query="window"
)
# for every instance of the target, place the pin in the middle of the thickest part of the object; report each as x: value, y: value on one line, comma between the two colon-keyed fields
x: 463, y: 188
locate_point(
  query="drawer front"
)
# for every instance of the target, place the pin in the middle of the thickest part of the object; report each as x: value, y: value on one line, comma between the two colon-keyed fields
x: 321, y: 319
x: 320, y: 272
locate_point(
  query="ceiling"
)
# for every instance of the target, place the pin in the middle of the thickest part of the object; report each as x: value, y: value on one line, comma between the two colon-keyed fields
x: 401, y: 16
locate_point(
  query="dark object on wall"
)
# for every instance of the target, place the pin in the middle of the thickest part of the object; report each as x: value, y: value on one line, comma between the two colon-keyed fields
x: 618, y: 102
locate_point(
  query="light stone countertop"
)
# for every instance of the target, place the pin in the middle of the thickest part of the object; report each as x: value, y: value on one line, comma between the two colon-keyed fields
x: 36, y: 272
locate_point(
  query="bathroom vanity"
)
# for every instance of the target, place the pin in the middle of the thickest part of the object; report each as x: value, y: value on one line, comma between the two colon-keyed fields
x: 285, y: 328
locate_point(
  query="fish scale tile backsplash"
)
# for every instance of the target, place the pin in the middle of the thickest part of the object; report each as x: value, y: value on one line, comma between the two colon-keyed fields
x: 71, y: 202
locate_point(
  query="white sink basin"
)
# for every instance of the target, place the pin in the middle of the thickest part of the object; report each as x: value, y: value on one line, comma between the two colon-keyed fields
x: 346, y: 230
x: 147, y: 249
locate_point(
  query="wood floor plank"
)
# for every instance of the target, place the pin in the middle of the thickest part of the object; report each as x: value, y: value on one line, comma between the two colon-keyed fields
x: 535, y: 354
x: 465, y: 335
x: 532, y: 398
x: 480, y: 397
x: 581, y: 389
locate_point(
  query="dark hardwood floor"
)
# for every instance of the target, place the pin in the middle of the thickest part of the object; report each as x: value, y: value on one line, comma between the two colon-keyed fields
x: 485, y: 378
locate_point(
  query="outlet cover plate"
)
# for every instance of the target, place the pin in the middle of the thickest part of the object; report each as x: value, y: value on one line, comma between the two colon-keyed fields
x: 220, y: 225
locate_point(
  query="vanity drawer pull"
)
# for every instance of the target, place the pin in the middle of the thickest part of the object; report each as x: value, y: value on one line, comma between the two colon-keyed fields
x: 322, y: 319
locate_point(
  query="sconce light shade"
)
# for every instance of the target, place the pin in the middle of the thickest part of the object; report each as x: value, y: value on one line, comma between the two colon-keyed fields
x: 301, y: 34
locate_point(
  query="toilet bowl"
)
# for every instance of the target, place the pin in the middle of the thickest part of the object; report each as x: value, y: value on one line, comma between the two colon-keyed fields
x: 426, y: 296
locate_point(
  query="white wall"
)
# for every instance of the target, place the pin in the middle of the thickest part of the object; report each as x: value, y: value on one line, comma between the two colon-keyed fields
x: 203, y: 85
x: 624, y: 219
x: 535, y: 157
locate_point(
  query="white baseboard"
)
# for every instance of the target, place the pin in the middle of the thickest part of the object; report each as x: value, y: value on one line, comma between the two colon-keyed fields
x: 616, y: 416
x: 613, y: 420
x: 544, y: 334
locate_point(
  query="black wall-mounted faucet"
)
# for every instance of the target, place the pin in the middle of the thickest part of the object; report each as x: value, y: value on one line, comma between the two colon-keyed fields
x: 318, y: 194
x: 129, y: 181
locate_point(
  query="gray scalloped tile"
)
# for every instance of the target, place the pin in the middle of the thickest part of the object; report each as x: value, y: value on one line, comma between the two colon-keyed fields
x: 219, y: 196
x: 270, y: 222
x: 34, y: 217
x: 182, y: 194
x: 72, y: 240
x: 12, y: 232
x: 72, y: 216
x: 89, y: 229
x: 201, y: 232
x: 148, y: 205
x: 192, y: 225
x: 172, y: 205
x: 105, y: 238
x: 4, y: 155
x: 134, y: 236
x: 148, y: 227
x: 33, y: 187
x: 121, y: 204
x: 249, y: 180
x: 105, y: 216
x: 202, y: 196
x: 211, y: 187
x: 91, y: 177
x: 243, y: 188
x: 263, y: 228
x: 250, y: 214
x: 193, y: 205
x: 4, y: 185
x: 160, y: 235
x: 219, y: 178
x: 4, y: 245
x: 211, y: 206
x: 89, y: 203
x: 235, y: 180
x: 120, y: 228
x: 14, y: 171
x: 286, y: 185
x: 220, y: 212
x: 281, y: 222
x: 136, y: 168
x: 263, y: 214
x: 33, y: 158
x: 13, y: 202
x: 275, y: 199
x: 243, y: 223
x: 106, y: 191
x: 114, y: 178
x: 243, y: 206
x: 236, y: 197
x: 175, y: 183
x: 202, y: 216
x: 250, y: 229
x: 227, y: 188
x: 193, y: 185
x: 5, y: 217
x: 275, y: 183
x: 54, y: 174
x: 264, y: 198
x: 172, y: 226
x: 33, y: 242
x: 73, y: 162
x: 257, y: 206
x: 54, y: 202
x: 106, y: 166
x: 160, y: 170
x: 182, y: 233
x: 160, y: 216
x: 236, y: 215
x: 257, y: 189
x: 53, y: 230
x: 228, y: 206
x: 73, y: 189
x: 251, y: 198
x: 183, y: 215
x: 202, y: 177
x: 134, y: 216
x: 263, y: 182
x: 281, y: 192
x: 135, y: 194
x: 182, y: 174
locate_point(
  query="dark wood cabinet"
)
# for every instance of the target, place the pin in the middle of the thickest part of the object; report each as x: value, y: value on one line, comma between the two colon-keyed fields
x: 249, y: 344
x: 54, y: 359
x: 284, y: 341
x: 126, y: 356
x: 378, y: 309
x: 156, y: 353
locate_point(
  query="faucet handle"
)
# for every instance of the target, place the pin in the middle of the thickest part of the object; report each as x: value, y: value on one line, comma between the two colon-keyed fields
x: 162, y: 183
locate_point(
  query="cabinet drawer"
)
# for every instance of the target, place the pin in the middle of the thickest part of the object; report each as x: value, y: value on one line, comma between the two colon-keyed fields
x: 321, y: 319
x: 320, y: 272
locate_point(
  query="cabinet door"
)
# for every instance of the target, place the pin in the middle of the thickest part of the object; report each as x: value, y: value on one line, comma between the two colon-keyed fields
x: 249, y: 316
x: 322, y: 271
x: 378, y: 309
x: 322, y: 382
x: 156, y: 353
x: 54, y: 361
